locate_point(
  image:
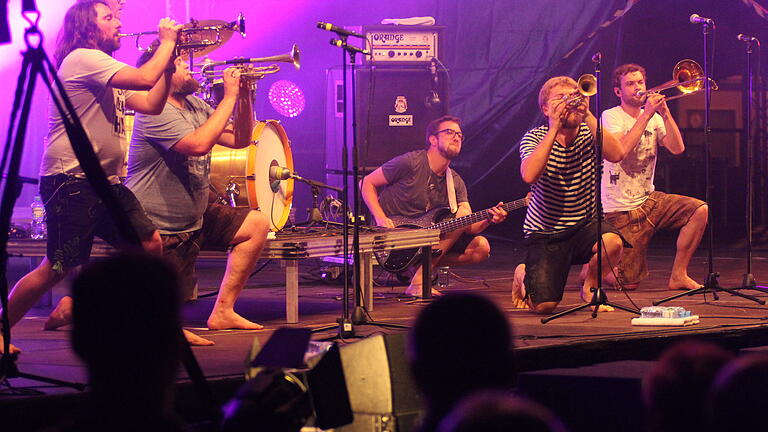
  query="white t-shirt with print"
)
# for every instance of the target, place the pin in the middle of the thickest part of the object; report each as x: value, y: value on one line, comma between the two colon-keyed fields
x: 627, y: 184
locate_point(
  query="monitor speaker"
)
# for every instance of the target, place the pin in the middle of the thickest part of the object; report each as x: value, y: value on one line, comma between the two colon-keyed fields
x: 381, y: 392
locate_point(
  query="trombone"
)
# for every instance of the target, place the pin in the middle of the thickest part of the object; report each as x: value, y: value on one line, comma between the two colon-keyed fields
x: 193, y: 38
x: 687, y: 77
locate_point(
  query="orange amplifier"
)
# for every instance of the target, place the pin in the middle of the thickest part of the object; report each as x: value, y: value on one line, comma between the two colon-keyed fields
x: 401, y: 45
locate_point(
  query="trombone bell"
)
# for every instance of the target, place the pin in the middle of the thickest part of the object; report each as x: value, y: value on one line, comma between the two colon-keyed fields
x: 687, y: 77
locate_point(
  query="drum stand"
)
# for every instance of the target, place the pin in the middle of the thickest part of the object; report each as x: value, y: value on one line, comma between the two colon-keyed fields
x: 315, y: 216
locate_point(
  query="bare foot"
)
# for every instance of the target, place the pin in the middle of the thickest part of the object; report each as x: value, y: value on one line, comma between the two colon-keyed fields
x: 583, y: 273
x: 586, y: 295
x: 196, y: 340
x: 683, y: 283
x: 13, y: 349
x: 415, y: 291
x: 609, y: 278
x: 230, y: 320
x: 518, y: 288
x: 61, y: 315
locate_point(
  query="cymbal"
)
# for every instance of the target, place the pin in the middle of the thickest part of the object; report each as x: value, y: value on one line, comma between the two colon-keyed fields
x: 206, y: 37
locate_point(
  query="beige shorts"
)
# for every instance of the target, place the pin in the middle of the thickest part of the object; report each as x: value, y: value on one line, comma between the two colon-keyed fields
x: 660, y: 211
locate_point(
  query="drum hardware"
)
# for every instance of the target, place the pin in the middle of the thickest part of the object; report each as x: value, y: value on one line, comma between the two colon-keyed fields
x: 199, y: 37
x: 278, y: 174
x: 232, y: 193
x: 687, y: 77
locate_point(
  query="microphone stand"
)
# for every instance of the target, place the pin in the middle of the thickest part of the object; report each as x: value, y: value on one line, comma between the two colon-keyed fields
x: 599, y: 297
x: 315, y: 216
x: 711, y: 285
x: 748, y: 280
x: 345, y: 322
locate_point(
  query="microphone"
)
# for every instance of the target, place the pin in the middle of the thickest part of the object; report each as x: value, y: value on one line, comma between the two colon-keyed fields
x: 279, y: 173
x: 697, y: 19
x: 597, y: 57
x: 433, y: 99
x: 747, y: 38
x: 338, y: 30
x: 352, y: 48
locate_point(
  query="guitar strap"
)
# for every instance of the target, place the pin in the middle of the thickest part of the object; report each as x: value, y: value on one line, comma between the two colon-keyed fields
x: 451, y: 191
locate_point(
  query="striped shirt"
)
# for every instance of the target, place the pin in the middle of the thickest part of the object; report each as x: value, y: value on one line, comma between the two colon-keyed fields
x: 565, y: 192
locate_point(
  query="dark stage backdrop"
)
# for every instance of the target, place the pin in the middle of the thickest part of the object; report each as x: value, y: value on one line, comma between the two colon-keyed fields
x: 498, y: 53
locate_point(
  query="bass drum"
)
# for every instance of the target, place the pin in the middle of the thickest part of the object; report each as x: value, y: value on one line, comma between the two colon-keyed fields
x: 240, y: 177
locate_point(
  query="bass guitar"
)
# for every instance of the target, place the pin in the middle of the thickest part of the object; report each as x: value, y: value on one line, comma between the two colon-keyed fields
x: 439, y: 218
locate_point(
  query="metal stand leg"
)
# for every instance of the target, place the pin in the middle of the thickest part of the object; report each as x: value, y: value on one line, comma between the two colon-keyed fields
x: 291, y: 291
x: 426, y: 276
x: 366, y: 278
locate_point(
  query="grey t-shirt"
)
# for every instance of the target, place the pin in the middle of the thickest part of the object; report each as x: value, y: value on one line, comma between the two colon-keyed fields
x: 172, y: 187
x: 414, y: 188
x: 85, y: 74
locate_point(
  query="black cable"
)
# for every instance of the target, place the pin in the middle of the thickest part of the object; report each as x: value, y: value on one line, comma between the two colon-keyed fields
x: 615, y: 276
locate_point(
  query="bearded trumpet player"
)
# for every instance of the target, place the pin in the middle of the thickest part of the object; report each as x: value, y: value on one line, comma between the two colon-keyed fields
x: 169, y: 163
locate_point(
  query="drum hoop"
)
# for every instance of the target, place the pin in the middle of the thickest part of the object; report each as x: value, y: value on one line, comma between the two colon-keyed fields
x: 250, y: 183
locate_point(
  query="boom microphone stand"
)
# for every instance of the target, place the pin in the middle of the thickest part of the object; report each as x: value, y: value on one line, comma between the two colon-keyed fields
x: 748, y: 281
x: 599, y: 297
x: 345, y: 322
x: 711, y: 284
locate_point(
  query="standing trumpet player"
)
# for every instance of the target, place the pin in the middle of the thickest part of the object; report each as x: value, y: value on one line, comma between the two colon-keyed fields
x: 168, y: 165
x: 100, y: 88
x: 631, y: 202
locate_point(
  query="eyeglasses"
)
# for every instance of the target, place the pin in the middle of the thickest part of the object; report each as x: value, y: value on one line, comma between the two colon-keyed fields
x: 451, y: 133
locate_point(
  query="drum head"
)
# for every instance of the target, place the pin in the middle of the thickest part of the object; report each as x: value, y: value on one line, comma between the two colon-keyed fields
x: 270, y: 148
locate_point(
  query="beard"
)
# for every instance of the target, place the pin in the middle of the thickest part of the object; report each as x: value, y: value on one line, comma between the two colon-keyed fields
x: 448, y: 152
x: 189, y: 86
x: 109, y: 44
x: 574, y: 119
x: 635, y: 101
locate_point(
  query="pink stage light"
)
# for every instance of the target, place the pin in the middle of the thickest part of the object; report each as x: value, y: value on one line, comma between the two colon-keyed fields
x: 287, y: 98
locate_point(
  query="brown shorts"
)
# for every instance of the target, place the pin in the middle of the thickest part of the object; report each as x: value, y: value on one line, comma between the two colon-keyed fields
x: 659, y: 212
x: 220, y: 224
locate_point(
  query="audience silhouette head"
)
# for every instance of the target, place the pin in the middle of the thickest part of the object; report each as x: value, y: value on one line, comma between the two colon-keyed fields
x: 460, y: 343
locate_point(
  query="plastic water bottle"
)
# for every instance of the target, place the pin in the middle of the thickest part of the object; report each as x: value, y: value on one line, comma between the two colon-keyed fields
x: 37, y: 228
x: 443, y: 276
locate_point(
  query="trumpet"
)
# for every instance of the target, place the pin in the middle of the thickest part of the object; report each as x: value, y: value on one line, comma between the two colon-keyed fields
x: 209, y: 72
x: 586, y: 86
x: 196, y: 36
x: 687, y: 77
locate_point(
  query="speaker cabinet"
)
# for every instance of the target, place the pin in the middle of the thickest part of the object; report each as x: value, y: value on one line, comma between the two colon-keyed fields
x: 381, y: 392
x: 393, y: 105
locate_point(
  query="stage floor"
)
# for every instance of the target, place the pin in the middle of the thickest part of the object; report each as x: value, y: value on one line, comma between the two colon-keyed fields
x: 572, y: 341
